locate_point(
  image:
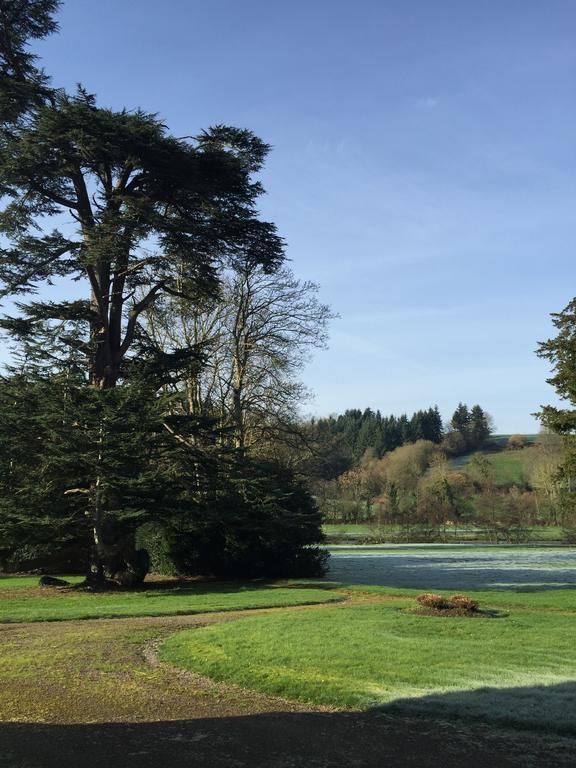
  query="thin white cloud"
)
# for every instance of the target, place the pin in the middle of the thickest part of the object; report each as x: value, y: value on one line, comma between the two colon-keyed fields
x: 428, y: 102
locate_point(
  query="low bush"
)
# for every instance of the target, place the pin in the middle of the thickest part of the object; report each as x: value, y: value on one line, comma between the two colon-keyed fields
x: 460, y: 605
x: 464, y: 602
x: 430, y: 600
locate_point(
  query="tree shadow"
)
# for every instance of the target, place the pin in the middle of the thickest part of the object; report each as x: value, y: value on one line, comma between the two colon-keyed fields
x: 423, y: 733
x: 549, y: 708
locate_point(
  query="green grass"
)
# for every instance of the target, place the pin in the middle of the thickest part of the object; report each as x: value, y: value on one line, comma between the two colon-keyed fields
x: 66, y: 604
x: 463, y: 532
x: 561, y: 600
x: 509, y: 466
x: 330, y: 529
x: 13, y: 582
x: 519, y: 669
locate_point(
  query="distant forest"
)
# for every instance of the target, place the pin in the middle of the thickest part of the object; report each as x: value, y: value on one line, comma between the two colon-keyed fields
x: 351, y: 434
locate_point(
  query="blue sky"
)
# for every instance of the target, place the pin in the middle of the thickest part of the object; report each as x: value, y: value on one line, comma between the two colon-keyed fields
x: 423, y: 170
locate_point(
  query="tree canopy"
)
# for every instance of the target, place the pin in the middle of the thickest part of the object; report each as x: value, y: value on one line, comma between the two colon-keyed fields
x: 153, y: 214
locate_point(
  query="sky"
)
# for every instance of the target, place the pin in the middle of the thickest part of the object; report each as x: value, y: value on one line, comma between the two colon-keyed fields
x: 422, y: 170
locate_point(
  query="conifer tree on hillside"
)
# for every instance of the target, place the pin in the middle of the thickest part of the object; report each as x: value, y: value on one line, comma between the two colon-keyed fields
x: 479, y: 427
x: 460, y: 421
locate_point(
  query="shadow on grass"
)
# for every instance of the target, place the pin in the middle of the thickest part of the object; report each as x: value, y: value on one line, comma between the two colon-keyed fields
x: 550, y: 708
x: 415, y: 732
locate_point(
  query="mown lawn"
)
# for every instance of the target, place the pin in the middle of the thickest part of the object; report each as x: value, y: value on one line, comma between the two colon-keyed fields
x: 19, y: 602
x: 518, y: 669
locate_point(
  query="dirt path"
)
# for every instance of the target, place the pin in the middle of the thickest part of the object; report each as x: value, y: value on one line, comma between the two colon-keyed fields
x: 92, y: 694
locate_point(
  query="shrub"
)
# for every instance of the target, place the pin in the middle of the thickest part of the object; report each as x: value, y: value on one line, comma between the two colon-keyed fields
x: 465, y: 603
x: 435, y: 602
x: 457, y: 604
x: 153, y: 538
x: 516, y: 442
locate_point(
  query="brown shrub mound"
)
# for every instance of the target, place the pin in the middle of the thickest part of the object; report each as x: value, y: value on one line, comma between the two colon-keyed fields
x: 457, y: 605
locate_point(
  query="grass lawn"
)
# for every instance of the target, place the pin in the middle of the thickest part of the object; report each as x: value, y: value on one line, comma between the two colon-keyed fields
x: 19, y: 602
x: 519, y: 669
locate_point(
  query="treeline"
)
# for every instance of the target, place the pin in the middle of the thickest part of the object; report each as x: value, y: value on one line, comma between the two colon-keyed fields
x: 362, y: 430
x: 347, y: 437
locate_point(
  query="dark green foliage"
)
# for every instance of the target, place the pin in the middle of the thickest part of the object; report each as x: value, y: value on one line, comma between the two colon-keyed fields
x: 460, y: 421
x: 560, y: 351
x: 129, y: 185
x: 154, y: 538
x: 355, y: 431
x: 82, y: 469
x: 479, y: 427
x: 92, y: 448
x: 470, y: 430
x: 261, y: 522
x: 22, y: 84
x: 75, y: 458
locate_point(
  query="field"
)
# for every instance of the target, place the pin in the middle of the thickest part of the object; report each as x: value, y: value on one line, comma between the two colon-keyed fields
x: 510, y: 467
x: 358, y: 532
x: 348, y: 667
x: 456, y: 567
x: 518, y: 667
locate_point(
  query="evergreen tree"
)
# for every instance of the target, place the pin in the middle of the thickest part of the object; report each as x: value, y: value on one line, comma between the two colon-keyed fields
x: 460, y: 421
x: 22, y: 84
x: 127, y: 183
x: 155, y: 216
x: 369, y: 433
x: 479, y: 427
x: 417, y: 426
x: 260, y: 521
x: 404, y: 429
x: 434, y: 429
x: 84, y: 468
x: 560, y: 351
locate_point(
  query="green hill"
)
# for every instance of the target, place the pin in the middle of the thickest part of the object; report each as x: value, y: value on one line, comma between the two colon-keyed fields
x: 509, y: 466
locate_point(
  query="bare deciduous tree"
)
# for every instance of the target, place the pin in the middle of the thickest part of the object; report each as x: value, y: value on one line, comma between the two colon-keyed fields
x: 255, y: 341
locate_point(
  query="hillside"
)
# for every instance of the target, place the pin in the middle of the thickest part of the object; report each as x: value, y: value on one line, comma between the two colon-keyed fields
x: 509, y: 466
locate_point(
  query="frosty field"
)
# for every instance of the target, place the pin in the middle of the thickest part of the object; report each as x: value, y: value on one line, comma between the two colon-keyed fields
x: 449, y: 567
